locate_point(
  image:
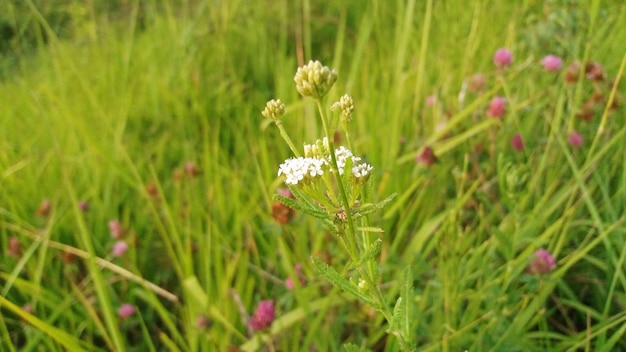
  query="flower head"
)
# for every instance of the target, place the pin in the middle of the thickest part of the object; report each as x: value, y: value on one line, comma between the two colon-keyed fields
x: 274, y: 109
x: 116, y: 229
x: 119, y: 248
x: 477, y: 83
x: 314, y: 79
x: 497, y: 107
x: 263, y: 316
x: 15, y: 247
x: 426, y: 157
x: 552, y: 63
x: 575, y: 139
x: 502, y: 58
x: 517, y: 143
x: 125, y: 311
x: 543, y: 262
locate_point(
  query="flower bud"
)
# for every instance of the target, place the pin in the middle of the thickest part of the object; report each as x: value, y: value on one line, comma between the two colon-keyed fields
x: 314, y: 80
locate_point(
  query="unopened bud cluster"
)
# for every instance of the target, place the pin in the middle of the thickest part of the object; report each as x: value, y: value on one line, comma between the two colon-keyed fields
x: 345, y: 105
x: 314, y: 80
x: 274, y: 109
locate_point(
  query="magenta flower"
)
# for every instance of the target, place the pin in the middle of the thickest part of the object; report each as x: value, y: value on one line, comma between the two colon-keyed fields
x: 119, y: 248
x: 263, y: 316
x: 543, y: 262
x: 552, y: 63
x: 497, y: 107
x: 502, y: 58
x: 575, y: 139
x: 517, y: 143
x: 126, y: 310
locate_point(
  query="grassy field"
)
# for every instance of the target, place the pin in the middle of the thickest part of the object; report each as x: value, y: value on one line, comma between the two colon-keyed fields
x: 137, y: 175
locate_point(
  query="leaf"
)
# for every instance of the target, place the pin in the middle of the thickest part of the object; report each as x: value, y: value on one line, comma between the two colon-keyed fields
x: 315, y: 212
x: 333, y: 276
x: 402, y: 320
x: 407, y: 296
x: 372, y: 252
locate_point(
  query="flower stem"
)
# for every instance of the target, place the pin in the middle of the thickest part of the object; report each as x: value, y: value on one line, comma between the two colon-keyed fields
x: 285, y: 136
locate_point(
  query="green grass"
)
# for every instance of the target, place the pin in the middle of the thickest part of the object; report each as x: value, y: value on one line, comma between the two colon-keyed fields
x: 107, y: 103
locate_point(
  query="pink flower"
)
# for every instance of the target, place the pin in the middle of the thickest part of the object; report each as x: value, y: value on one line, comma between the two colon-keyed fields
x: 15, y: 247
x: 497, y: 107
x: 575, y: 139
x: 119, y: 248
x: 502, y: 58
x: 126, y: 310
x: 202, y: 321
x: 552, y: 63
x: 543, y: 262
x: 426, y: 157
x: 289, y: 283
x: 191, y: 169
x: 116, y: 229
x: 477, y: 83
x: 263, y: 316
x: 517, y: 143
x: 83, y: 206
x: 431, y: 100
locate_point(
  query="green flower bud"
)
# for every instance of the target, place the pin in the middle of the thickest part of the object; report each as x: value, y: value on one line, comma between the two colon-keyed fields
x: 274, y: 109
x: 314, y: 80
x: 346, y: 106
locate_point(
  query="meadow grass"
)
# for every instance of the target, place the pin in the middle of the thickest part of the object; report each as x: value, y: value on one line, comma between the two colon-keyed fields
x: 150, y: 114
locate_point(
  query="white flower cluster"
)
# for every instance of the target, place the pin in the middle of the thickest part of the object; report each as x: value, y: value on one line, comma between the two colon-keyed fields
x: 297, y: 169
x: 306, y: 168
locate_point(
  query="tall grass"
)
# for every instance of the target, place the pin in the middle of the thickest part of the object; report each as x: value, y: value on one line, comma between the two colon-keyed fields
x: 150, y: 113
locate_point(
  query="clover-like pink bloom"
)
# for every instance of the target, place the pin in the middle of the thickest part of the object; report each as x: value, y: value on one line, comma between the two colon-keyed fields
x: 552, y: 63
x: 543, y: 262
x: 497, y: 107
x: 575, y: 139
x: 517, y: 143
x: 431, y: 100
x: 126, y: 310
x: 502, y: 57
x: 119, y: 248
x: 263, y: 316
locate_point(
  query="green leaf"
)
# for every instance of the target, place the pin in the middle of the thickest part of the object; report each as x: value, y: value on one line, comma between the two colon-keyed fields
x: 407, y: 296
x: 333, y: 276
x: 305, y: 208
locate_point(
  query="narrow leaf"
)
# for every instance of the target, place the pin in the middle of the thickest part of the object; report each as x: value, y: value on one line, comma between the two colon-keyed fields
x: 333, y: 276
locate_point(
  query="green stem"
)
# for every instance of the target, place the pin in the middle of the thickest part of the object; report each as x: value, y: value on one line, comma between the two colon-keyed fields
x: 285, y: 136
x: 351, y: 235
x: 351, y: 239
